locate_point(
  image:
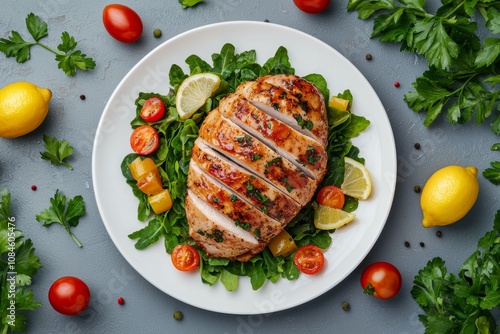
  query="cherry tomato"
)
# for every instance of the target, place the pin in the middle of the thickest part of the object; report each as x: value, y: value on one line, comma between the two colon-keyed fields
x: 144, y: 140
x: 153, y: 109
x: 309, y: 259
x: 185, y: 257
x: 381, y: 280
x: 69, y: 295
x: 122, y: 23
x: 312, y: 6
x: 331, y: 196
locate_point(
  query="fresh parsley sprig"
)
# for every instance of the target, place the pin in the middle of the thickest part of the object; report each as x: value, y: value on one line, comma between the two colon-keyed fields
x: 66, y: 215
x: 462, y: 76
x: 70, y: 60
x: 17, y: 274
x: 462, y: 303
x: 57, y: 151
x: 493, y: 173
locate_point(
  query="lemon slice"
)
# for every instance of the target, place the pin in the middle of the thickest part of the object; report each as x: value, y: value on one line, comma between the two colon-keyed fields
x: 194, y: 91
x: 357, y: 182
x: 327, y: 218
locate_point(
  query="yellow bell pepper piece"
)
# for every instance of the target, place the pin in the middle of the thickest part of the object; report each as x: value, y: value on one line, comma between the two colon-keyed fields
x: 337, y: 102
x: 282, y: 244
x: 161, y: 202
x: 150, y: 183
x: 139, y: 167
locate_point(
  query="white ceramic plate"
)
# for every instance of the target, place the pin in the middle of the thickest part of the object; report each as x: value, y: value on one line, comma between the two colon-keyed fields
x: 117, y: 205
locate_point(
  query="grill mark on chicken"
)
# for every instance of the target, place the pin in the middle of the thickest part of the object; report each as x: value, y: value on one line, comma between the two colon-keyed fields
x: 305, y: 153
x: 243, y: 214
x: 287, y: 107
x: 214, y: 232
x: 223, y: 135
x: 279, y: 206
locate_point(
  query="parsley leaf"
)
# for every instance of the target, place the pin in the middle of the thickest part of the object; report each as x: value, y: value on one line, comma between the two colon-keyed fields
x: 15, y: 275
x: 459, y: 66
x: 57, y: 151
x: 189, y: 3
x: 66, y: 215
x: 462, y: 303
x: 69, y: 59
x: 493, y: 173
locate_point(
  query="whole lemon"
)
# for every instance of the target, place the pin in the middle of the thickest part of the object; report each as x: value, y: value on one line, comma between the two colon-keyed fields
x: 23, y: 107
x: 448, y: 195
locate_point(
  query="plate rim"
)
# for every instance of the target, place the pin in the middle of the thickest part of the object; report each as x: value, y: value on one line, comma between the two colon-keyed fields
x: 99, y: 135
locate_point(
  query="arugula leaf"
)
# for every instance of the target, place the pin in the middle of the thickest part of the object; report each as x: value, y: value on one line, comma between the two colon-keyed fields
x: 18, y: 274
x: 66, y: 215
x: 57, y: 151
x: 462, y: 303
x: 69, y: 60
x: 189, y: 3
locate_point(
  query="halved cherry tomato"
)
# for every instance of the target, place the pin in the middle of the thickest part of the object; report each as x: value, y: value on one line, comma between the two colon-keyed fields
x: 139, y: 167
x: 153, y: 109
x: 69, y: 295
x: 144, y: 140
x: 185, y: 257
x: 381, y: 280
x: 122, y: 23
x: 331, y: 196
x: 312, y: 6
x: 309, y: 259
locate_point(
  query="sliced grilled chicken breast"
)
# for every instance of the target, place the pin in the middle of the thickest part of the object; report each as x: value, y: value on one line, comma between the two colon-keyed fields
x: 243, y: 214
x: 306, y: 153
x: 214, y: 232
x: 288, y: 107
x: 258, y: 160
x: 255, y: 190
x: 223, y: 135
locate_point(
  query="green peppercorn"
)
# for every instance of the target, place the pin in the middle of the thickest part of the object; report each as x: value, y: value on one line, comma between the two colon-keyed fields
x: 346, y: 306
x: 157, y: 33
x: 178, y: 315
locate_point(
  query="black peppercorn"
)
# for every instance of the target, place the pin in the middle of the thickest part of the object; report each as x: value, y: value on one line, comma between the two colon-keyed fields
x: 417, y: 189
x: 368, y: 56
x: 417, y: 146
x: 439, y: 234
x: 346, y: 306
x: 407, y: 244
x: 422, y: 244
x: 82, y: 97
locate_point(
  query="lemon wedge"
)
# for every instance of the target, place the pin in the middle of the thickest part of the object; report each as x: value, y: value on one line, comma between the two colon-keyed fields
x: 194, y: 91
x: 357, y: 182
x: 328, y: 218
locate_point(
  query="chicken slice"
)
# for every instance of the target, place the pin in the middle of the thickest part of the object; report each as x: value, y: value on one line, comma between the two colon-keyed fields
x: 306, y: 153
x: 224, y: 136
x: 278, y: 205
x: 214, y: 232
x: 243, y: 214
x: 288, y: 107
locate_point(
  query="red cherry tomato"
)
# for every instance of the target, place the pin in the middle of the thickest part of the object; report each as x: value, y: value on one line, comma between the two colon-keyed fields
x: 69, y: 295
x: 185, y: 257
x: 122, y: 23
x: 309, y: 259
x: 312, y: 6
x: 153, y: 110
x: 144, y: 140
x: 331, y: 196
x: 381, y: 280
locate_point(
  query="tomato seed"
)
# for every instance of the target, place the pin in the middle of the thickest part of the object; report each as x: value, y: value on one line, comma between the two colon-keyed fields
x: 33, y: 187
x: 120, y: 300
x: 396, y: 84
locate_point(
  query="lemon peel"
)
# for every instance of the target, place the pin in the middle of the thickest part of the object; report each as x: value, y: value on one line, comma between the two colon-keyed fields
x: 448, y: 195
x: 23, y: 107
